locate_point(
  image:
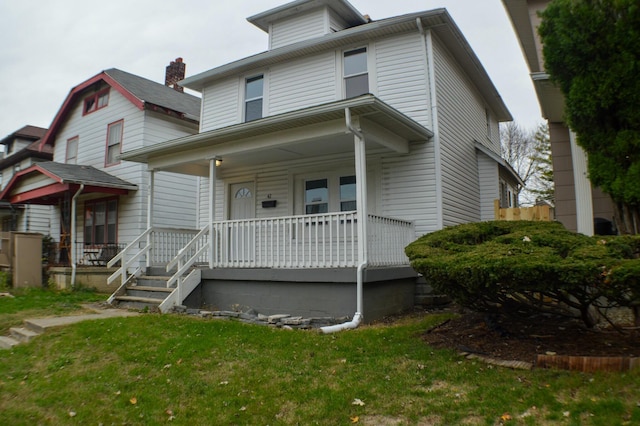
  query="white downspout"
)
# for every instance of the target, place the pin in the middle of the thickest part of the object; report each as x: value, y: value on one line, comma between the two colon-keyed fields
x: 150, y: 204
x: 362, y: 216
x: 428, y: 40
x: 212, y: 205
x: 73, y: 235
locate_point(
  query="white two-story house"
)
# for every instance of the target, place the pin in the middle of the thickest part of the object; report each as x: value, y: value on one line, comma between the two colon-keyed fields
x: 321, y: 158
x: 99, y: 202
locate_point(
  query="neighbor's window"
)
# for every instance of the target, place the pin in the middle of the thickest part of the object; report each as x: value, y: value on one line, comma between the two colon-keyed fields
x: 100, y: 222
x: 72, y: 151
x: 253, y: 97
x: 356, y: 77
x: 114, y: 142
x: 96, y: 101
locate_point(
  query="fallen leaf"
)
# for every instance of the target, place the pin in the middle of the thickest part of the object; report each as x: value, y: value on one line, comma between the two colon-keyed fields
x: 72, y: 413
x: 133, y: 400
x: 354, y: 419
x: 505, y: 417
x: 169, y: 412
x: 179, y: 361
x: 167, y: 366
x: 357, y: 401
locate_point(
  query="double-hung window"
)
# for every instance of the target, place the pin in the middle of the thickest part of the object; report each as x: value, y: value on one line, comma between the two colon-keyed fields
x: 100, y: 222
x: 71, y: 156
x: 330, y: 194
x: 253, y: 98
x: 114, y: 142
x: 356, y: 76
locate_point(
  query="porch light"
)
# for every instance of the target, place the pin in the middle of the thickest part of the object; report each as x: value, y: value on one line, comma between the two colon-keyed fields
x: 218, y: 162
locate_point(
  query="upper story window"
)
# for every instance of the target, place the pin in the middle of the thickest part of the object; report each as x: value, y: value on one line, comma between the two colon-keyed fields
x: 114, y: 142
x: 96, y: 101
x: 356, y: 76
x: 71, y: 156
x: 253, y: 97
x: 487, y: 115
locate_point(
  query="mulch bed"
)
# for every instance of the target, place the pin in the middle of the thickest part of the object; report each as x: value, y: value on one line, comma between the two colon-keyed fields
x: 522, y: 338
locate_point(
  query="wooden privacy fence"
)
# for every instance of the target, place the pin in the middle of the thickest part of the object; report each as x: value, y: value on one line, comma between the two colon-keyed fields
x: 535, y: 213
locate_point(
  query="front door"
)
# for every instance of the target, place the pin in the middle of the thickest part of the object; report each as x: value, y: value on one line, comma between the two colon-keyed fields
x: 242, y: 234
x: 242, y: 205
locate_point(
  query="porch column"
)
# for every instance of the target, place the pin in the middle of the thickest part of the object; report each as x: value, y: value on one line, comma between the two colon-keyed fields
x: 150, y: 203
x: 212, y: 205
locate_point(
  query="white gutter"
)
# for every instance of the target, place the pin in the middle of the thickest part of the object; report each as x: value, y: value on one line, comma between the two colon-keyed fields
x: 73, y: 235
x: 361, y: 201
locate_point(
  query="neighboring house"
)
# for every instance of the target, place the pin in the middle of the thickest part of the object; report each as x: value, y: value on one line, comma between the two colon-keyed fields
x: 21, y: 150
x: 320, y: 159
x: 578, y: 205
x: 100, y: 202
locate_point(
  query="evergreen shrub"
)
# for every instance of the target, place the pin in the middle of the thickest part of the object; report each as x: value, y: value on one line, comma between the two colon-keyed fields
x: 512, y: 267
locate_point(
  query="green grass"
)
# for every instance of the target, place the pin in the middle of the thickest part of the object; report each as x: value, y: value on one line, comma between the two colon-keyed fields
x: 155, y: 369
x: 40, y: 302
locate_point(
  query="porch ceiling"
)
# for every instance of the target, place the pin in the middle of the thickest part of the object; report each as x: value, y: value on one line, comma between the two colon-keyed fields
x: 319, y: 130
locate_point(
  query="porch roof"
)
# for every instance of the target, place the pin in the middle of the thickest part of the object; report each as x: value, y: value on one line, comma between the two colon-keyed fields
x: 380, y: 123
x: 47, y: 182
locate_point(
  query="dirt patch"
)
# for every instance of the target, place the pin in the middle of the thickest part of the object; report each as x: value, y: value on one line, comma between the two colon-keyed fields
x: 522, y: 338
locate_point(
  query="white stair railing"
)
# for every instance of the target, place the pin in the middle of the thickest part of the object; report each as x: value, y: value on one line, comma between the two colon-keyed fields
x: 187, y: 256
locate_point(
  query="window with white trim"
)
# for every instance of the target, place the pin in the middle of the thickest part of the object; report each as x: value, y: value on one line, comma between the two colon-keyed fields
x: 356, y: 76
x: 114, y: 142
x: 253, y: 98
x: 71, y: 156
x: 330, y: 194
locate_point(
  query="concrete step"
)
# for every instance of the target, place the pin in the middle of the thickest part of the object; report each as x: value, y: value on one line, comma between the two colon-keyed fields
x: 23, y: 334
x: 148, y: 292
x: 152, y: 281
x: 149, y: 300
x: 8, y: 342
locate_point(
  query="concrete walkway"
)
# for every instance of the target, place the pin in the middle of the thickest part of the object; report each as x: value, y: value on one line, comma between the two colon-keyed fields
x: 35, y: 327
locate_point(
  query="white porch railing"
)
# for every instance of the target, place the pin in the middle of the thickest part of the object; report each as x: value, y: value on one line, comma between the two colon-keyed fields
x: 309, y: 241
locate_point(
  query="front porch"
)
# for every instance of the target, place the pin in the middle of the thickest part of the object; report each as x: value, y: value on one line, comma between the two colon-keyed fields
x: 298, y: 264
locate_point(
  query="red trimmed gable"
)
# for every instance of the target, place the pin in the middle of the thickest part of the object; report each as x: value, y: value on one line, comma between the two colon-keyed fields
x: 75, y: 94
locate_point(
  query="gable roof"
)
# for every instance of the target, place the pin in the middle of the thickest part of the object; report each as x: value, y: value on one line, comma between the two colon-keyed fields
x: 438, y: 21
x: 59, y: 178
x: 27, y: 132
x: 141, y: 92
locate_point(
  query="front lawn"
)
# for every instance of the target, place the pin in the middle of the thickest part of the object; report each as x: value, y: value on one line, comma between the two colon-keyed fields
x: 156, y: 369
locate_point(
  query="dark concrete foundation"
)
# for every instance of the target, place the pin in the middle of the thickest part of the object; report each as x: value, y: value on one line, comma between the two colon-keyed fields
x: 307, y: 293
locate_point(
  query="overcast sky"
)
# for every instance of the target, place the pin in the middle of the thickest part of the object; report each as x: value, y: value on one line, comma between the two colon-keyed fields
x: 48, y: 47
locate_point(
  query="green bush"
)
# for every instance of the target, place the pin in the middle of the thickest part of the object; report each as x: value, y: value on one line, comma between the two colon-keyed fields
x: 520, y: 266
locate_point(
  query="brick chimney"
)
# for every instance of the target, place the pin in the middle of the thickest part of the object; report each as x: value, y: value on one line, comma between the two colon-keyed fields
x: 175, y: 73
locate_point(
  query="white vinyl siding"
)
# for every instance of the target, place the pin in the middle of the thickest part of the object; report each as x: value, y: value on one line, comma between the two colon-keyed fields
x: 297, y: 28
x: 302, y: 83
x: 402, y: 78
x: 462, y: 120
x: 220, y: 104
x: 409, y: 187
x: 488, y: 178
x: 336, y: 23
x: 141, y: 128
